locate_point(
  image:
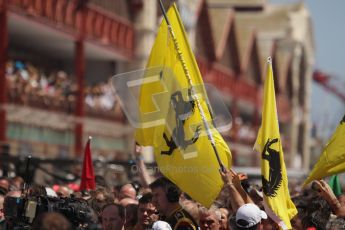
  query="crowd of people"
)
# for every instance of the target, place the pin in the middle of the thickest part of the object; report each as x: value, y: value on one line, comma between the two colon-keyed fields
x: 34, y: 86
x: 157, y: 203
x: 152, y: 203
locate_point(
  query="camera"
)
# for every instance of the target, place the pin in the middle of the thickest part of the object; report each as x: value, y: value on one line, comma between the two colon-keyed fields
x: 21, y: 212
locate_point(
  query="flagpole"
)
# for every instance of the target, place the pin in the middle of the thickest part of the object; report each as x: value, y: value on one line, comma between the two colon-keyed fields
x: 186, y: 72
x: 164, y: 13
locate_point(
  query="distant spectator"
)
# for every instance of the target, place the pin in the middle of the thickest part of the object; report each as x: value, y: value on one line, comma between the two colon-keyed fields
x: 113, y: 217
x: 131, y: 216
x: 128, y: 191
x: 63, y: 191
x: 100, y: 197
x: 14, y: 193
x: 10, y: 195
x: 36, y: 190
x: 209, y: 219
x: 16, y: 183
x: 100, y: 181
x: 224, y: 219
x: 147, y: 212
x: 51, y: 221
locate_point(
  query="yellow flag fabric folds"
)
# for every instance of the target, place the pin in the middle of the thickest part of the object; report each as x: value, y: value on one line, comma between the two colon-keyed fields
x: 182, y: 149
x: 332, y: 160
x: 278, y: 204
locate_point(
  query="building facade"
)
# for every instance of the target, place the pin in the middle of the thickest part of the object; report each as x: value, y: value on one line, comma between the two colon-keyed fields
x: 61, y: 54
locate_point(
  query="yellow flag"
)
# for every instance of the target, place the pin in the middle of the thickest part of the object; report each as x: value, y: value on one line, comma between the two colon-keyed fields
x: 183, y: 151
x: 277, y: 201
x: 332, y: 160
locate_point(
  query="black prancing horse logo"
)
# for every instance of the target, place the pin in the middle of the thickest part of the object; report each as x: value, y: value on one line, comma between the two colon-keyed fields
x: 271, y: 186
x: 183, y: 110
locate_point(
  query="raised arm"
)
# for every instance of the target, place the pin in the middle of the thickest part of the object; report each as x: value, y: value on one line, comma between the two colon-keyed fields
x: 231, y: 180
x: 326, y: 192
x: 143, y: 173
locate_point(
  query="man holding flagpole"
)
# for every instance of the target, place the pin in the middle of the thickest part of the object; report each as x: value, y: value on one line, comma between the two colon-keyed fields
x: 248, y: 215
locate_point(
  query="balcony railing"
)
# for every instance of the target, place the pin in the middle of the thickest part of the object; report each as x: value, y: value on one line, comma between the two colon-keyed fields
x: 101, y: 26
x: 63, y: 105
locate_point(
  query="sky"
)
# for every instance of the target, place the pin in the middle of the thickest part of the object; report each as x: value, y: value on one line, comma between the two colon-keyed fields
x: 329, y: 35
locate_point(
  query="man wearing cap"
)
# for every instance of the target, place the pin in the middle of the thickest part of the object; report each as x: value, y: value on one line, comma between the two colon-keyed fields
x: 161, y: 225
x: 248, y: 215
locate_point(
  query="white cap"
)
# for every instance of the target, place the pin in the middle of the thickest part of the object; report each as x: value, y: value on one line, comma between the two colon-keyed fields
x: 50, y: 192
x: 161, y: 225
x: 251, y: 214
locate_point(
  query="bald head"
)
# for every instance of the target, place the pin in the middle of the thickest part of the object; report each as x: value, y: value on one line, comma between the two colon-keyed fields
x: 128, y: 191
x: 63, y: 192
